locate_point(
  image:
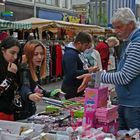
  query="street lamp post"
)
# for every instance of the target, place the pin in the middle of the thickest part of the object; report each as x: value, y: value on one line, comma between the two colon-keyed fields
x: 34, y: 8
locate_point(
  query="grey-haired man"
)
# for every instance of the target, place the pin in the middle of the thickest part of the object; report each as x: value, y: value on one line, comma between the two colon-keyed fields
x: 127, y: 77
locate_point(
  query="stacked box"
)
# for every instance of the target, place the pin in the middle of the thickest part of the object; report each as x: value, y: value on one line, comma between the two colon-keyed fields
x: 107, y: 119
x: 107, y: 115
x: 111, y: 127
x: 94, y: 98
x: 97, y: 96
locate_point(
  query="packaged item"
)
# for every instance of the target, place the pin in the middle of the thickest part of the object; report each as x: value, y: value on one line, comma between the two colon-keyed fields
x: 111, y: 127
x: 98, y: 97
x: 107, y: 114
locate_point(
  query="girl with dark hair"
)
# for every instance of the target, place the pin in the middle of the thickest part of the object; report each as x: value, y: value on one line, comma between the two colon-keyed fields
x: 9, y: 76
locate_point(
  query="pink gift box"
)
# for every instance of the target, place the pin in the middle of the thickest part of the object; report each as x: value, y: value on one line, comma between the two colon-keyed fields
x: 107, y: 114
x: 96, y: 96
x: 111, y: 127
x: 90, y: 118
x: 107, y: 120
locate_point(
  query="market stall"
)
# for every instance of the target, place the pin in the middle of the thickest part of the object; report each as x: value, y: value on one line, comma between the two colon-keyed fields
x: 12, y: 28
x: 5, y: 24
x: 43, y: 24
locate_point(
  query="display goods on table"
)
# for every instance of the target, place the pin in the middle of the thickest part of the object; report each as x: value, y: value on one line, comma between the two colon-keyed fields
x: 91, y: 117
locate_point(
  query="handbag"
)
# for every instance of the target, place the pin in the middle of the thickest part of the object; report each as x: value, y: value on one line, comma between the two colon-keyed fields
x: 17, y: 99
x: 22, y: 109
x: 18, y: 104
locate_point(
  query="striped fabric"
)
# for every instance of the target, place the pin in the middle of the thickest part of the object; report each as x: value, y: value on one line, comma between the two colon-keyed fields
x: 130, y: 69
x: 5, y: 24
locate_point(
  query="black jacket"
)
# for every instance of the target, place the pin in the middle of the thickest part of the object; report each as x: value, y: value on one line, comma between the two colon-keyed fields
x: 6, y: 97
x: 28, y: 85
x: 72, y: 67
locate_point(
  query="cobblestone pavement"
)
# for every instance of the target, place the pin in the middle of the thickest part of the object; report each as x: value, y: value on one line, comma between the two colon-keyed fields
x: 41, y: 106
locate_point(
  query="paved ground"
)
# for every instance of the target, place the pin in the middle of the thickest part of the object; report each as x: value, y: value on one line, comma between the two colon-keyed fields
x: 50, y: 86
x: 53, y: 85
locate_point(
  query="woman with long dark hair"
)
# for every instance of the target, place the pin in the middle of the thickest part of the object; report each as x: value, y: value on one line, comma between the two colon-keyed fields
x: 9, y: 76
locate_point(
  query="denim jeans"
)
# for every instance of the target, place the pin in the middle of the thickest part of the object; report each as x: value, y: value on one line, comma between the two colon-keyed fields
x: 129, y: 117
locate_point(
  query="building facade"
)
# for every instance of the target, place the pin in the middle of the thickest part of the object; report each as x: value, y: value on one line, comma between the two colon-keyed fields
x: 2, y: 7
x: 112, y: 5
x: 79, y: 2
x: 101, y: 11
x: 81, y: 12
x: 46, y: 9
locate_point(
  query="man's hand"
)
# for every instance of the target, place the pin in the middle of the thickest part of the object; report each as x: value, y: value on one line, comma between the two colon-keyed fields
x: 93, y: 69
x: 86, y: 78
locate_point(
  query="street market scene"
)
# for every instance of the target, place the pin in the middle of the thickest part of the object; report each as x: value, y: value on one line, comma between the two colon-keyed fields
x: 69, y: 70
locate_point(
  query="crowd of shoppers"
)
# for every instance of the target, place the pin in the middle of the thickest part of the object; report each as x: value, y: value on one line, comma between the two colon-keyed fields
x: 80, y: 63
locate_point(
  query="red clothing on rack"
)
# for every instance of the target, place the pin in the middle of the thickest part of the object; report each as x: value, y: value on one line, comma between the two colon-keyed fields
x: 3, y: 35
x: 103, y: 49
x: 58, y: 60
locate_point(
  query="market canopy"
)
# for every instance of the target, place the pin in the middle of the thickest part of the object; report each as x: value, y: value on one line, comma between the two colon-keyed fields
x: 36, y: 22
x: 5, y: 24
x: 43, y: 23
x: 76, y: 26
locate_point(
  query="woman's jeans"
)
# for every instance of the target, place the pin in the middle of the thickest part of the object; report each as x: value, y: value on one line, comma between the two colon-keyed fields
x: 129, y: 117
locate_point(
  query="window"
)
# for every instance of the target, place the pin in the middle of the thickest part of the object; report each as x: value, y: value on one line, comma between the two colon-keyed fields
x: 48, y: 2
x: 64, y: 3
x: 42, y: 1
x: 52, y: 2
x: 28, y: 0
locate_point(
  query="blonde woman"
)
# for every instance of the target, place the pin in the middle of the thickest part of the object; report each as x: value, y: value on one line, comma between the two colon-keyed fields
x: 113, y: 44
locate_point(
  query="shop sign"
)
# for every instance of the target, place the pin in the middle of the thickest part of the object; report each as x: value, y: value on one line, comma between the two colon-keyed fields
x: 7, y: 14
x: 72, y: 19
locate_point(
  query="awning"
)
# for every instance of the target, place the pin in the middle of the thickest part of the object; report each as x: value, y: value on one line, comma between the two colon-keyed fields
x: 5, y: 24
x: 43, y: 23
